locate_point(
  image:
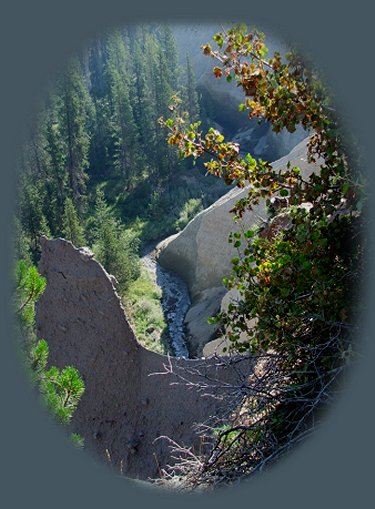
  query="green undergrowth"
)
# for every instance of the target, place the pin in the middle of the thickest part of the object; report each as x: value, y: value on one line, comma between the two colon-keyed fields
x: 156, y: 211
x: 144, y: 311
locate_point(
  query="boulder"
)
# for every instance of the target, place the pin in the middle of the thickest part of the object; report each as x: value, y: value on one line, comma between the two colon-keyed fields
x: 221, y: 346
x: 207, y: 304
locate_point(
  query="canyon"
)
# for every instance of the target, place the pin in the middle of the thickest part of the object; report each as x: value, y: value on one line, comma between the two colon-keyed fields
x: 136, y: 401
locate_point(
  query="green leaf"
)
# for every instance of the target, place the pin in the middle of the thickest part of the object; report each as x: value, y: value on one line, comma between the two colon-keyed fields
x: 218, y: 38
x: 263, y: 51
x: 249, y: 234
x: 250, y: 160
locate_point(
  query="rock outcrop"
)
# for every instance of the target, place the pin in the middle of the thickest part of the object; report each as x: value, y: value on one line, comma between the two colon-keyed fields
x: 126, y: 407
x: 201, y: 254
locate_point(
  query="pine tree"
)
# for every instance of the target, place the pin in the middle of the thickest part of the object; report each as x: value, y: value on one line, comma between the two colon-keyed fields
x: 29, y: 287
x: 191, y: 95
x: 124, y: 129
x: 102, y: 124
x: 77, y: 114
x: 57, y: 181
x: 21, y: 242
x: 97, y: 53
x: 71, y: 228
x: 101, y: 139
x: 169, y: 49
x: 163, y: 85
x: 33, y: 220
x: 115, y: 247
x: 61, y: 389
x: 144, y: 108
x: 101, y: 147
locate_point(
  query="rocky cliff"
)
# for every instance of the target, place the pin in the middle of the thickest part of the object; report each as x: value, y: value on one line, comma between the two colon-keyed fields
x: 126, y: 407
x: 201, y: 254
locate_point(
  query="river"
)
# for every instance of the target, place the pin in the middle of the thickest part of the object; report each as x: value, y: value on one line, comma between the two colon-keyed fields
x: 175, y: 301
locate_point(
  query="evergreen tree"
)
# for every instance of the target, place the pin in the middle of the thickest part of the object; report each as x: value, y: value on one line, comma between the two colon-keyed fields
x: 77, y: 114
x: 61, y: 389
x: 191, y: 95
x: 97, y: 54
x: 29, y: 287
x: 103, y: 124
x: 101, y: 140
x: 37, y: 158
x: 144, y: 107
x: 169, y: 48
x: 57, y: 181
x: 101, y: 147
x: 163, y: 87
x: 33, y: 219
x: 124, y: 129
x: 115, y: 247
x: 71, y: 228
x: 21, y: 242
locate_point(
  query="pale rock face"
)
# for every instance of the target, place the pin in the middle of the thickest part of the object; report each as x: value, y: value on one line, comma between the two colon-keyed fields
x: 201, y: 254
x: 126, y: 406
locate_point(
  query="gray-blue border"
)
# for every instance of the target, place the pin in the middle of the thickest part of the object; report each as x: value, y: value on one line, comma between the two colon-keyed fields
x: 37, y: 468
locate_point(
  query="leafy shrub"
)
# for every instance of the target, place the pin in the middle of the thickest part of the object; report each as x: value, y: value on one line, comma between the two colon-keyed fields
x: 299, y: 284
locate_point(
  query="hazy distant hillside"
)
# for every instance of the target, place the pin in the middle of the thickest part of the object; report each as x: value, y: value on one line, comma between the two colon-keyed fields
x: 221, y: 99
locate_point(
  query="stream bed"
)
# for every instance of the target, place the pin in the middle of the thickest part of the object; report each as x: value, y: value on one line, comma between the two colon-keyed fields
x: 175, y: 301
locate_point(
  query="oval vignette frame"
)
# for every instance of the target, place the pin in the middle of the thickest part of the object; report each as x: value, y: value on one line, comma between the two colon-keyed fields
x: 36, y: 452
